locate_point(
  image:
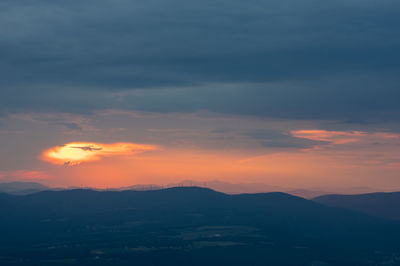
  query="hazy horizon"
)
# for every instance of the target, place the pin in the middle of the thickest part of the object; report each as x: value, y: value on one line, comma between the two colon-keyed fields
x: 225, y: 187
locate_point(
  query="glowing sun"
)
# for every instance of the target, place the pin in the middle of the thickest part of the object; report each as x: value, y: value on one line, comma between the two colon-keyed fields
x: 74, y: 153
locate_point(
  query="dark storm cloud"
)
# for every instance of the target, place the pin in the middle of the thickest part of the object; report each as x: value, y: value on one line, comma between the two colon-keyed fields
x: 293, y: 59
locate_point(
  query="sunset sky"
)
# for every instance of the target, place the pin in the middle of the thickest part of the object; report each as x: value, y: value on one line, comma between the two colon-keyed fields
x: 296, y: 94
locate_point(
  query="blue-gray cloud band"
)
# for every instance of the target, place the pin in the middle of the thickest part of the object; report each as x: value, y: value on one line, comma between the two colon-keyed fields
x: 293, y: 59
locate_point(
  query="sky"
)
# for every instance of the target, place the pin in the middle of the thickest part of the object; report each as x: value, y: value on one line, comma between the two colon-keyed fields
x: 297, y: 94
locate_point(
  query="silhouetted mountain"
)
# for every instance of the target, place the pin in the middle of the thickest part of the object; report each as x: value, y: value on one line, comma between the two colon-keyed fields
x: 239, y: 188
x: 307, y: 194
x: 187, y: 225
x: 138, y: 187
x: 379, y: 204
x: 229, y: 188
x: 21, y: 188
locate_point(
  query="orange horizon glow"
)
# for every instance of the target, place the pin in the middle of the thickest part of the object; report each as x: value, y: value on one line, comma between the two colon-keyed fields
x: 348, y: 157
x: 75, y: 153
x: 286, y: 169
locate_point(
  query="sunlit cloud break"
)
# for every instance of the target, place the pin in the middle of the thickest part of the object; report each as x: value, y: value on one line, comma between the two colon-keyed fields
x: 333, y: 137
x: 75, y: 153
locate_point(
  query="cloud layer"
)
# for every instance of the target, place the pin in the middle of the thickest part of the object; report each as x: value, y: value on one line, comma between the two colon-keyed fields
x: 308, y: 59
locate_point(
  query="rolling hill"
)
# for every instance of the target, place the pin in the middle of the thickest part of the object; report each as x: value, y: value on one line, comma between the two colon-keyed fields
x: 381, y: 204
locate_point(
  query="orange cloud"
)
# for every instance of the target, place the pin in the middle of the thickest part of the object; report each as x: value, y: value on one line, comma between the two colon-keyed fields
x: 384, y: 135
x: 74, y: 153
x: 334, y: 137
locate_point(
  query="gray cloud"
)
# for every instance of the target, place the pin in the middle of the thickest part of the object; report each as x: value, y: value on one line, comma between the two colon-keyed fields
x: 308, y: 59
x: 270, y: 138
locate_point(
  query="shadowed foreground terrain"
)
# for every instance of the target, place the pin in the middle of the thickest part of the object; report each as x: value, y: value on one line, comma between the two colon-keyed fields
x: 188, y: 226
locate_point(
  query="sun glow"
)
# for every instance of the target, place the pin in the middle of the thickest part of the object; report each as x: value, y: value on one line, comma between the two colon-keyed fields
x: 78, y: 152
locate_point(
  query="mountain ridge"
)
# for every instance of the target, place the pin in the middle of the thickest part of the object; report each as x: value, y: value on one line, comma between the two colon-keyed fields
x: 380, y: 204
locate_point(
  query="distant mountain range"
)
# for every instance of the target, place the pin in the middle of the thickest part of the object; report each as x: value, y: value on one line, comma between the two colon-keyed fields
x: 225, y: 187
x: 381, y: 204
x: 22, y: 188
x: 240, y: 188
